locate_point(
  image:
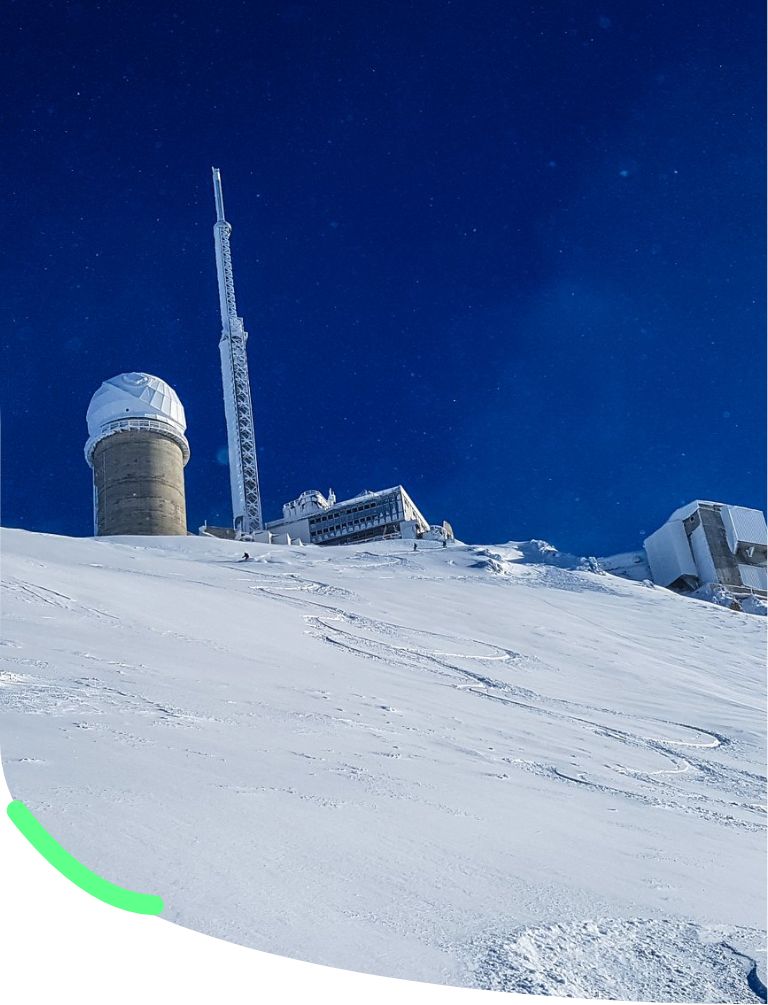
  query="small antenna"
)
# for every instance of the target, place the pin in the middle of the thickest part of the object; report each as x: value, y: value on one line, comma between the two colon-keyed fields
x: 218, y: 194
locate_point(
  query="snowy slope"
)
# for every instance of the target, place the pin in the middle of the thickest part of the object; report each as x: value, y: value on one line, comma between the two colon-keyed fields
x: 465, y: 765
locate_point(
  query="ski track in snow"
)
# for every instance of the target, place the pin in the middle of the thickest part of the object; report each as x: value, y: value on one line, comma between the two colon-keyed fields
x: 708, y: 804
x: 33, y: 594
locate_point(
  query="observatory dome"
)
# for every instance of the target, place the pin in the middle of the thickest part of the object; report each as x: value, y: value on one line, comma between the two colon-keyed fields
x: 121, y: 400
x: 135, y: 396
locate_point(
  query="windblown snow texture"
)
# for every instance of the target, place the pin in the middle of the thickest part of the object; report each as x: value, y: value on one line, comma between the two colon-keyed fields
x: 500, y: 767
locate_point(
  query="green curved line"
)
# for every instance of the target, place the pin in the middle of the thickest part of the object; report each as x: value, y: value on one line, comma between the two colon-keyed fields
x: 80, y: 875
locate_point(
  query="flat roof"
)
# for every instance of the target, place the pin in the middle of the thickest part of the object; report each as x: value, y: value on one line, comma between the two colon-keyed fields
x: 366, y: 495
x: 683, y: 512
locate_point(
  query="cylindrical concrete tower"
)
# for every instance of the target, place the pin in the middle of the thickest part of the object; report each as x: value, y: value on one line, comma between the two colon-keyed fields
x: 137, y: 449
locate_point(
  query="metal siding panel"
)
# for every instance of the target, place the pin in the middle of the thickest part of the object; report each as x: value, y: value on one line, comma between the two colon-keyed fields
x: 744, y: 526
x: 706, y: 570
x: 731, y: 534
x: 754, y: 576
x: 669, y: 554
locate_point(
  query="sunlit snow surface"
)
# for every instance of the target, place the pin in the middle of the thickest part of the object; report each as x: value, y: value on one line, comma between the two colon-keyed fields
x: 465, y: 765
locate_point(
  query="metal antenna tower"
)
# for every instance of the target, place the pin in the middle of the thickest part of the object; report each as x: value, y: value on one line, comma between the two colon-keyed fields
x: 243, y: 467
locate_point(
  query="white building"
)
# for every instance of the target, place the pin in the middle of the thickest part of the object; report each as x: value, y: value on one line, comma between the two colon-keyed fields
x: 370, y: 516
x: 313, y: 518
x: 710, y: 542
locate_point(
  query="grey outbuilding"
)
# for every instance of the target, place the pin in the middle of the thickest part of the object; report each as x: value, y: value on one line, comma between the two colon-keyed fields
x: 710, y: 543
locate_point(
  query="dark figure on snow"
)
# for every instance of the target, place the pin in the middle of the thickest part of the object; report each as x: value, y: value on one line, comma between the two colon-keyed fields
x: 445, y: 542
x: 246, y: 556
x: 415, y: 546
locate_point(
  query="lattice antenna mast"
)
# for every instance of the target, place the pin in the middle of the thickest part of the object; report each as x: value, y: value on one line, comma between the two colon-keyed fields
x: 243, y: 467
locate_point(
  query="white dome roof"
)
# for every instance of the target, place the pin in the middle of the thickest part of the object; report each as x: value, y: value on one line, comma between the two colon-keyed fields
x: 135, y: 396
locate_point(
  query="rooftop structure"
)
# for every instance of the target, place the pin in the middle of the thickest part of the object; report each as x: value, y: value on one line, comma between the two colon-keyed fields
x: 137, y: 449
x: 709, y: 542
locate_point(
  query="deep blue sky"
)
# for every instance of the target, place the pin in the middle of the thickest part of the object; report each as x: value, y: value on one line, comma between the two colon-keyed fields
x: 507, y: 254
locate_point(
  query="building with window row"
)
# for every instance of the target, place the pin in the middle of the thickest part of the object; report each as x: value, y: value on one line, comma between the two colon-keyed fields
x: 370, y: 516
x: 313, y: 518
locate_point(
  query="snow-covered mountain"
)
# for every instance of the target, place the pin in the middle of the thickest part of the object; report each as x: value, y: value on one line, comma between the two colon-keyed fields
x: 492, y: 766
